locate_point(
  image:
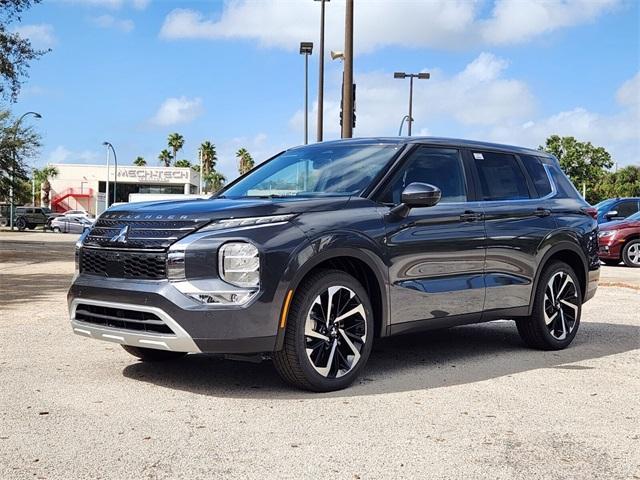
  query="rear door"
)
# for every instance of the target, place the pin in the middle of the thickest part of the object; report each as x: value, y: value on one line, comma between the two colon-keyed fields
x: 436, y: 253
x: 515, y: 192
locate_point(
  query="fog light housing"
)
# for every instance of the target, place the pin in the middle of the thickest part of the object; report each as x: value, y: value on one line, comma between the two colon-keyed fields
x: 239, y: 264
x: 239, y: 297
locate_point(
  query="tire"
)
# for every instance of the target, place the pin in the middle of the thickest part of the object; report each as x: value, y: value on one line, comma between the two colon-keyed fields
x: 4, y: 222
x: 631, y: 253
x: 57, y: 230
x: 337, y: 355
x: 21, y: 224
x: 557, y: 307
x: 610, y: 263
x: 151, y: 354
x: 31, y: 226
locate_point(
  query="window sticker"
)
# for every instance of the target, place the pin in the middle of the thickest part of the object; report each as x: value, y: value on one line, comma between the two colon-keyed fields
x: 478, y: 156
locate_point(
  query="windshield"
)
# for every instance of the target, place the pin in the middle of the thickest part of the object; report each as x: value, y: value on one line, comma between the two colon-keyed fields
x: 315, y: 171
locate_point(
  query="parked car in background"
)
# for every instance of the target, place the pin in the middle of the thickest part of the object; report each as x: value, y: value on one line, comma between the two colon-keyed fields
x: 32, y: 217
x: 4, y: 214
x: 80, y: 214
x: 620, y: 241
x: 70, y: 224
x: 313, y: 254
x: 614, y: 209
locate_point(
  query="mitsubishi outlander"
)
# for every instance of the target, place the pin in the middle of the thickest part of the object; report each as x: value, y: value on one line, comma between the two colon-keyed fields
x: 315, y: 253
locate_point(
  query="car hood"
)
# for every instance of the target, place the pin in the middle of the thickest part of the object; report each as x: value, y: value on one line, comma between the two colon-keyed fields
x: 620, y: 224
x: 218, y: 208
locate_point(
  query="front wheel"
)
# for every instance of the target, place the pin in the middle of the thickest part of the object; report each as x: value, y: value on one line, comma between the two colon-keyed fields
x: 151, y: 354
x: 328, y: 335
x: 57, y: 230
x: 21, y: 224
x: 555, y: 318
x: 631, y: 253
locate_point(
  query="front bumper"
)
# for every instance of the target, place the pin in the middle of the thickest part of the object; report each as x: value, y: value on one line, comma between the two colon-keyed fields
x: 610, y: 250
x: 192, y: 327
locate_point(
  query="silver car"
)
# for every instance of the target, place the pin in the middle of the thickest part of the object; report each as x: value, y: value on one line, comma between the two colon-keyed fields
x: 70, y: 224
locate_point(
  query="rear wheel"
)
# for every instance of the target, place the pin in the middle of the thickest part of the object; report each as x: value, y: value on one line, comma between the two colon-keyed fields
x: 555, y: 318
x: 151, y: 354
x: 631, y: 253
x: 328, y: 335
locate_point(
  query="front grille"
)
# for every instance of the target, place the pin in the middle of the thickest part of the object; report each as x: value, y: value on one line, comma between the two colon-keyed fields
x: 121, y: 318
x: 141, y: 234
x: 123, y: 264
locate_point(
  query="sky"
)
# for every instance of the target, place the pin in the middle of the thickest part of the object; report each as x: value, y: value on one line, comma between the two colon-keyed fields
x: 511, y: 71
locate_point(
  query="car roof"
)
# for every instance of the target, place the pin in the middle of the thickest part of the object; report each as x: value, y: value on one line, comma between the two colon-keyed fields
x: 443, y: 141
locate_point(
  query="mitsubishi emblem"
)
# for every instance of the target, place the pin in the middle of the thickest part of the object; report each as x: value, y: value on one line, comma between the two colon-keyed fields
x: 121, y: 237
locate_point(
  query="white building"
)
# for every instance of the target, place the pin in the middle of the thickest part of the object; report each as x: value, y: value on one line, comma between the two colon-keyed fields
x: 84, y: 186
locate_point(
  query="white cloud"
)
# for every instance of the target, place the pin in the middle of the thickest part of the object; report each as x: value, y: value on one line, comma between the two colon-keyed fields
x: 479, y: 95
x: 109, y: 21
x: 62, y: 154
x: 177, y: 110
x: 435, y: 23
x: 629, y: 93
x: 40, y: 35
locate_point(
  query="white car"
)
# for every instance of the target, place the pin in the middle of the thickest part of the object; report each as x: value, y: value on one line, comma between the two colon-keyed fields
x: 71, y: 224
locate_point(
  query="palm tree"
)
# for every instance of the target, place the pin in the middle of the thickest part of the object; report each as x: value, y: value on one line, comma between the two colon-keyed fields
x: 209, y: 157
x: 245, y: 161
x: 140, y: 162
x: 42, y: 178
x: 182, y: 163
x: 215, y: 181
x: 175, y: 142
x: 165, y: 157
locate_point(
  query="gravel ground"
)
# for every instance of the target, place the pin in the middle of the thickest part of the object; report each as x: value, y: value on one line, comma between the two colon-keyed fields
x: 469, y: 402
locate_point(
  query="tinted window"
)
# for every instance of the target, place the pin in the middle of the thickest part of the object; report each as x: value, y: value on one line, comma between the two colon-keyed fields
x: 500, y: 176
x: 441, y: 167
x: 538, y: 174
x: 626, y: 208
x: 564, y: 186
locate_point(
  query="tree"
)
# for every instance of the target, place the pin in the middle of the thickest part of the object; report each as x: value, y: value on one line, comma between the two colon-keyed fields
x: 584, y: 163
x: 42, y: 178
x: 623, y: 183
x: 16, y: 52
x: 245, y: 161
x: 175, y: 142
x: 16, y: 146
x: 182, y: 163
x: 215, y: 181
x: 209, y: 157
x: 165, y: 157
x: 140, y: 162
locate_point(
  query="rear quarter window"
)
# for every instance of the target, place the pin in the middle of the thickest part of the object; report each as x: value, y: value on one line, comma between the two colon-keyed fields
x: 538, y: 174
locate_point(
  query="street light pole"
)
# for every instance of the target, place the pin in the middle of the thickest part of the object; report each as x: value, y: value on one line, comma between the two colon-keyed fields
x: 347, y: 84
x: 419, y: 76
x: 319, y: 126
x: 14, y: 161
x: 201, y: 172
x: 115, y: 172
x: 306, y: 48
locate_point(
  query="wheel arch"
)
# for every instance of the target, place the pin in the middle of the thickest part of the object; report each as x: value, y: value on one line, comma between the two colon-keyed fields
x: 568, y: 252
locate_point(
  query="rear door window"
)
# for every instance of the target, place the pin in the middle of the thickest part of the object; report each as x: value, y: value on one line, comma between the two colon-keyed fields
x: 501, y: 177
x: 538, y: 174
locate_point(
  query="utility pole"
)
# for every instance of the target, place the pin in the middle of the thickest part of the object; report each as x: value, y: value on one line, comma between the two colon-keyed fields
x: 347, y: 84
x: 321, y: 75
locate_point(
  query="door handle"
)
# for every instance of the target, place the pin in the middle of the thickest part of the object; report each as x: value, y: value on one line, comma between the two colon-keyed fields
x: 542, y: 212
x: 470, y: 216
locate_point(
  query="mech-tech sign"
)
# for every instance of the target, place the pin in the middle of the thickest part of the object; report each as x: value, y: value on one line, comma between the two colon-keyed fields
x: 153, y: 175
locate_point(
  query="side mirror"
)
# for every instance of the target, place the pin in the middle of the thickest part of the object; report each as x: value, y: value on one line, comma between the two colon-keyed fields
x: 416, y: 195
x: 612, y: 213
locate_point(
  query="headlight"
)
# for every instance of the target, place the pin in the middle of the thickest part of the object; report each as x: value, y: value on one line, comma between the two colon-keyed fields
x: 227, y: 223
x: 239, y: 264
x: 606, y: 233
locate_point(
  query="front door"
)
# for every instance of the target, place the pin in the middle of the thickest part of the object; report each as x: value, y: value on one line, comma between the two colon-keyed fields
x: 437, y: 253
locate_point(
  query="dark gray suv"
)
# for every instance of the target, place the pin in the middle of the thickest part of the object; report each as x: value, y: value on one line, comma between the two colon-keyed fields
x: 316, y: 252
